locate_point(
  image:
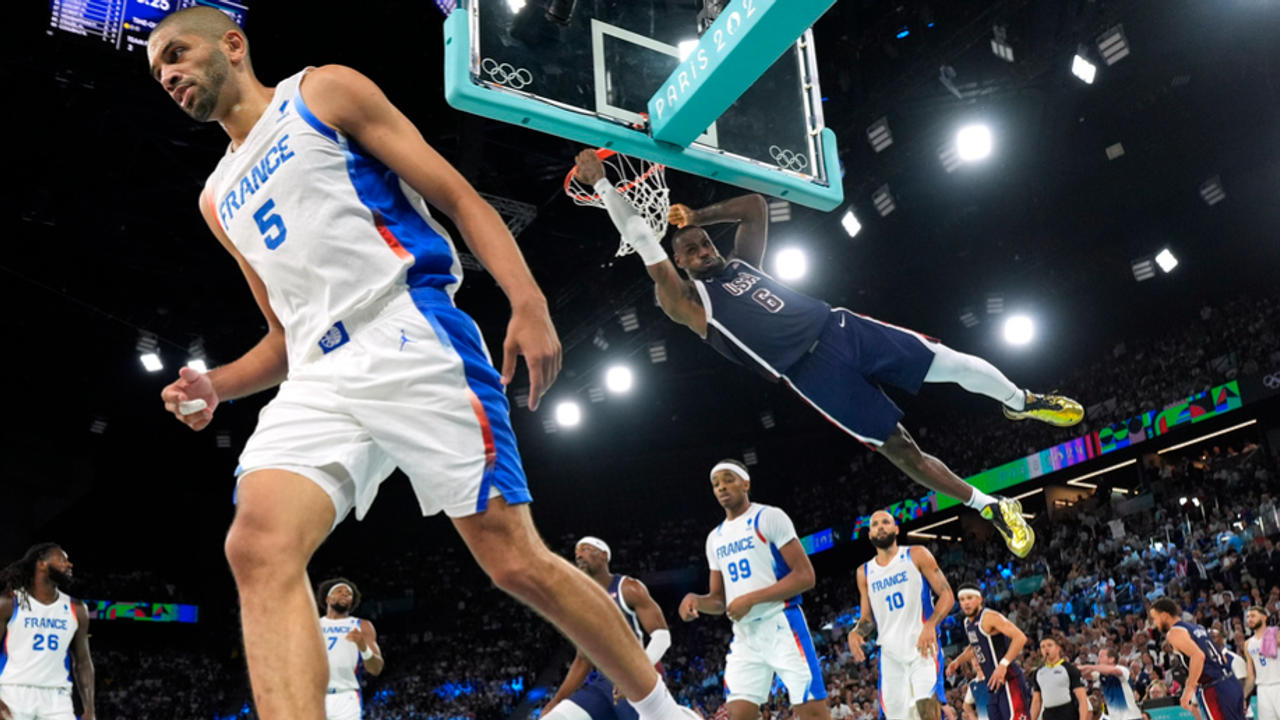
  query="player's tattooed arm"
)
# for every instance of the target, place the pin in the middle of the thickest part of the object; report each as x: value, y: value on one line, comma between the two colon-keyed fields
x: 865, y: 627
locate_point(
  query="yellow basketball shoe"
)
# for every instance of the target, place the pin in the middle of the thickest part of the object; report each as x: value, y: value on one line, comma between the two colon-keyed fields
x: 1006, y: 515
x: 1058, y: 410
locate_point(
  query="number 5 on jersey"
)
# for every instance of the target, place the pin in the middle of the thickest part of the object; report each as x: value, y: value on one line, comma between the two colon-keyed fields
x: 270, y: 222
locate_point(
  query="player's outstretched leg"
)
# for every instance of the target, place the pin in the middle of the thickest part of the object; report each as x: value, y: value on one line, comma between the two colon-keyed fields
x: 505, y: 543
x: 281, y: 518
x: 982, y: 378
x: 929, y: 471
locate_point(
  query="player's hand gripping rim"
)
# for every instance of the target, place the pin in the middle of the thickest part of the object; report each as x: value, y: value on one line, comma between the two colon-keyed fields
x: 183, y: 398
x: 531, y: 334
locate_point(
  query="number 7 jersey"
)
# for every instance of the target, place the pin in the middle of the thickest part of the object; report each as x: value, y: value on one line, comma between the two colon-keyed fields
x: 745, y: 551
x: 329, y: 228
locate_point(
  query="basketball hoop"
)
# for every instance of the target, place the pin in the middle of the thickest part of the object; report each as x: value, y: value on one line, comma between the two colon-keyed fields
x: 641, y: 182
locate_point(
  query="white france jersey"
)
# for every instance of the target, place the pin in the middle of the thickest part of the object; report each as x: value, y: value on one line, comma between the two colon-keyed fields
x: 38, y: 642
x: 745, y: 552
x: 901, y: 601
x: 344, y: 656
x: 329, y: 229
x: 1266, y: 670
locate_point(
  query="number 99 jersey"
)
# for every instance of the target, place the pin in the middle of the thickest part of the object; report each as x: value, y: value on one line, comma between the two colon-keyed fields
x: 745, y: 553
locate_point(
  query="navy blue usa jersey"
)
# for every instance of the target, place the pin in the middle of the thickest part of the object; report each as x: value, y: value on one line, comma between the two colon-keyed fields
x: 757, y: 321
x: 1216, y: 666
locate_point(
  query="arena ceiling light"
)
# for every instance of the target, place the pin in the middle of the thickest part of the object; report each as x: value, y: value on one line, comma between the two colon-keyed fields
x: 618, y: 379
x: 791, y: 264
x: 1019, y: 330
x: 1083, y: 69
x: 196, y: 356
x: 1113, y: 45
x: 850, y: 223
x: 883, y: 200
x: 1143, y: 268
x: 1000, y: 46
x: 879, y: 136
x: 1166, y: 260
x: 973, y: 142
x: 568, y: 414
x: 1211, y: 191
x: 683, y: 48
x: 515, y: 5
x: 149, y: 352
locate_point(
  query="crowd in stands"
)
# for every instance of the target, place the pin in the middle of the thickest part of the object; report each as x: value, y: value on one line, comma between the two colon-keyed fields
x: 478, y: 654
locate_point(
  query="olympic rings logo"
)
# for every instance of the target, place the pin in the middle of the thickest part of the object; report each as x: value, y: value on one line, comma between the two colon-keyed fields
x: 507, y: 74
x: 1272, y: 381
x: 788, y: 160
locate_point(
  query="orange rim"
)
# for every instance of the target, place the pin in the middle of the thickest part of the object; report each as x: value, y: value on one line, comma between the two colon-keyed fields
x: 605, y: 154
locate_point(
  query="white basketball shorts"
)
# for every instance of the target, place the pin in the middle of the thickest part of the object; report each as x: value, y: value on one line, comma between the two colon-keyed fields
x: 26, y: 702
x: 902, y: 684
x: 343, y: 705
x: 1268, y: 702
x: 410, y: 386
x: 778, y: 644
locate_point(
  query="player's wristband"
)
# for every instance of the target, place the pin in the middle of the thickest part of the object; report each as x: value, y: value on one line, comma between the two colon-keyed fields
x: 366, y: 654
x: 659, y: 641
x: 1004, y: 662
x: 633, y: 228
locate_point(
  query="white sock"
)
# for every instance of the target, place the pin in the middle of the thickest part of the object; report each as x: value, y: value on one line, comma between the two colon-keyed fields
x: 979, y: 500
x: 658, y: 705
x: 975, y: 375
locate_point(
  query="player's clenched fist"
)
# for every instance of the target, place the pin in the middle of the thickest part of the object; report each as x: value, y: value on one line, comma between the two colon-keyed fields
x: 689, y: 608
x: 681, y: 215
x: 191, y: 398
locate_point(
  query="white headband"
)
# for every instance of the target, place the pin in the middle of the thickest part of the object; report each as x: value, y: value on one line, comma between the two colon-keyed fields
x: 335, y: 587
x: 731, y: 467
x: 969, y: 591
x: 598, y: 544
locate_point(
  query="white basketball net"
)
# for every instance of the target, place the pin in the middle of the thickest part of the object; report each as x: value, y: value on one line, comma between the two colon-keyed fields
x: 642, y: 182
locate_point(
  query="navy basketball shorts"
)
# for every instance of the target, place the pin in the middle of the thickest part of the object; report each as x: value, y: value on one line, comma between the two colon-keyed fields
x: 1223, y: 700
x: 596, y: 699
x: 854, y: 356
x: 1012, y: 701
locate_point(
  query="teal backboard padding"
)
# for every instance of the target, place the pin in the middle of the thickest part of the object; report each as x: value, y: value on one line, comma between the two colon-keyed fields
x: 484, y: 81
x: 747, y: 37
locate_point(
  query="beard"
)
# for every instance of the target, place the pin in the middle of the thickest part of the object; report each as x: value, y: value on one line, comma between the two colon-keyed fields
x: 208, y: 91
x: 341, y: 608
x: 61, y: 579
x: 884, y: 542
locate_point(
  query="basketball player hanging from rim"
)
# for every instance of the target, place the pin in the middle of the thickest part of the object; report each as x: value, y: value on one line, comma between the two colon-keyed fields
x: 832, y: 358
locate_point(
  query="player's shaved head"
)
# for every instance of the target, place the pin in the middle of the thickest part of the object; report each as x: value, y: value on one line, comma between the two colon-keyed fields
x: 206, y: 22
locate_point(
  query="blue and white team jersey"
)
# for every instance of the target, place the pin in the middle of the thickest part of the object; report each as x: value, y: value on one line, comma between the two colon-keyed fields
x: 757, y: 321
x: 37, y: 644
x: 344, y: 656
x: 1216, y: 667
x: 745, y: 553
x: 1117, y: 696
x: 329, y: 229
x: 901, y: 600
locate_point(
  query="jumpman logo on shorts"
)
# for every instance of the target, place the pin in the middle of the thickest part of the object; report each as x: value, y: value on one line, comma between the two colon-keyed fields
x: 404, y: 339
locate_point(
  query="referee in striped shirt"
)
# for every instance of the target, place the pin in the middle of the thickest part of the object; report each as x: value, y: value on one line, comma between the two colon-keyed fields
x: 1057, y: 688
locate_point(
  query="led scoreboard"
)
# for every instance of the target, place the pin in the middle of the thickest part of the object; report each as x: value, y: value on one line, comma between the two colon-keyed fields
x: 125, y: 24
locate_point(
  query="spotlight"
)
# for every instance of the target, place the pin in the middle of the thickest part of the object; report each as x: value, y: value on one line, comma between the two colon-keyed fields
x: 618, y: 379
x: 515, y: 5
x: 973, y: 142
x: 568, y: 414
x: 791, y: 264
x: 1114, y: 151
x: 683, y: 48
x: 850, y: 223
x: 1000, y: 46
x: 1019, y: 330
x: 148, y: 352
x: 1211, y: 191
x: 560, y: 11
x: 1113, y: 45
x: 196, y: 356
x: 883, y: 200
x: 198, y: 364
x: 879, y: 136
x: 1143, y: 268
x: 1166, y: 260
x: 1083, y: 69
